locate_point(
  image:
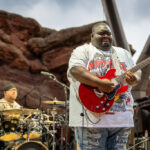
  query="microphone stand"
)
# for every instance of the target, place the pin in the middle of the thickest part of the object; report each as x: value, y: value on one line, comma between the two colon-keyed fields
x: 66, y: 113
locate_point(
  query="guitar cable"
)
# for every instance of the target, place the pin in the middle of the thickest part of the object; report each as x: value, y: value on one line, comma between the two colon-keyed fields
x: 82, y: 115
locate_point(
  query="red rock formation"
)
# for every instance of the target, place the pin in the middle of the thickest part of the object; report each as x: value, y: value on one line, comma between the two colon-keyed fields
x: 26, y: 48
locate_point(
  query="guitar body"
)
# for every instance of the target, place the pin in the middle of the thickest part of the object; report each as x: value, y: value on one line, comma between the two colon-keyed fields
x: 97, y: 101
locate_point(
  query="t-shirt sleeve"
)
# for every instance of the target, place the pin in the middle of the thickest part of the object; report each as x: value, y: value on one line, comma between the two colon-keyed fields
x: 79, y: 57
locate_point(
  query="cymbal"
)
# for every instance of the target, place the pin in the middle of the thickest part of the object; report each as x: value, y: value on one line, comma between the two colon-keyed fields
x: 11, y: 111
x: 55, y: 102
x: 30, y: 111
x: 23, y: 111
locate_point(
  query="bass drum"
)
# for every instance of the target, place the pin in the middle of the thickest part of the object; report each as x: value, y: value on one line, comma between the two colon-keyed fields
x: 31, y: 145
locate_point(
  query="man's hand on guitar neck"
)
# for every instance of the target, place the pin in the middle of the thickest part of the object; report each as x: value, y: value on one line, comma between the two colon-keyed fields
x: 132, y: 78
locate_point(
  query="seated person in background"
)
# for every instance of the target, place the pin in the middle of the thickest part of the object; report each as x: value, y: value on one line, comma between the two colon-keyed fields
x: 10, y: 95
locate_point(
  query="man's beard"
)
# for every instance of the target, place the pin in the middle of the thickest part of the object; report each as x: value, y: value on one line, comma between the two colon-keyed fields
x: 105, y: 46
x: 12, y: 98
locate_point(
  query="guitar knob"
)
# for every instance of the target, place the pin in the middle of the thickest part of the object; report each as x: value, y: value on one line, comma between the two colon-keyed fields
x: 97, y: 107
x: 102, y: 102
x: 103, y: 109
x: 107, y: 104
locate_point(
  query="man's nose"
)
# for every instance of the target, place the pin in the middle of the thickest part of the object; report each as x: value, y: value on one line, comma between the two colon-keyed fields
x: 105, y: 35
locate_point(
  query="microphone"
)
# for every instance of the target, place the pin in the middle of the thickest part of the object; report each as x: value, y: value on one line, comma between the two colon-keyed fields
x: 50, y: 75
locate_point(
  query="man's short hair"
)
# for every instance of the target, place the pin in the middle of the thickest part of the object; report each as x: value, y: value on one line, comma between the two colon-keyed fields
x: 96, y: 25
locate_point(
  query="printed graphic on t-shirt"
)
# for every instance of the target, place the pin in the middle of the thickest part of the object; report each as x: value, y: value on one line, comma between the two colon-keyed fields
x: 99, y: 66
x: 122, y: 102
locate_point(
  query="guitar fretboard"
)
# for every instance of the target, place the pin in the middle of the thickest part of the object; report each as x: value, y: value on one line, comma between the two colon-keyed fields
x: 140, y: 65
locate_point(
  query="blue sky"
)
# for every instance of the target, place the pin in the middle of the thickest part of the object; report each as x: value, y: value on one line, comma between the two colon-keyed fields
x: 60, y: 14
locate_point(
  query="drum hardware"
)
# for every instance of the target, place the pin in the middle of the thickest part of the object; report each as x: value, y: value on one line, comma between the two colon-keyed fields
x: 45, y: 117
x: 61, y: 139
x: 57, y: 120
x: 48, y: 122
x: 27, y: 117
x: 53, y: 112
x: 10, y: 145
x: 33, y: 120
x: 47, y: 135
x: 12, y: 123
x: 34, y: 128
x: 62, y: 127
x: 28, y: 131
x: 10, y: 128
x: 54, y: 122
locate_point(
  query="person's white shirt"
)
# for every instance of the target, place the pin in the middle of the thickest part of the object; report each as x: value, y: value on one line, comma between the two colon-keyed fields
x: 84, y: 56
x: 4, y: 104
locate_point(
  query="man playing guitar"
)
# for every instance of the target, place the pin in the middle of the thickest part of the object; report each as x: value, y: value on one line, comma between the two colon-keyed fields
x: 91, y: 67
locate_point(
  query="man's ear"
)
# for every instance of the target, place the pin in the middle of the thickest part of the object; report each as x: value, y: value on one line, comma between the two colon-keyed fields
x: 4, y: 93
x: 92, y: 35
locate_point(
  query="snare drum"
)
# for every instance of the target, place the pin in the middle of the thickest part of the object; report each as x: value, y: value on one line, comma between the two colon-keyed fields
x: 31, y: 145
x: 10, y: 128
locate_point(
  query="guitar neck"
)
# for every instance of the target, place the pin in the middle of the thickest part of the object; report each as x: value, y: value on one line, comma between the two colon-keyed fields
x: 140, y: 65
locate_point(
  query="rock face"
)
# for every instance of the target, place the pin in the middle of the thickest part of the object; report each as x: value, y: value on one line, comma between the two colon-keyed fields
x: 26, y: 49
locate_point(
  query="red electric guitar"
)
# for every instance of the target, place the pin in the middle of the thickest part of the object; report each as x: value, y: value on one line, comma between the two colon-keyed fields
x: 99, y: 102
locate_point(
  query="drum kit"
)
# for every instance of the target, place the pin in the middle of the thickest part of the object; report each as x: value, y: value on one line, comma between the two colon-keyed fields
x: 25, y: 129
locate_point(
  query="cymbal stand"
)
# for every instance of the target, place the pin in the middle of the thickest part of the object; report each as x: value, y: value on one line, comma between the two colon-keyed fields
x: 62, y: 139
x: 66, y: 113
x: 28, y: 130
x: 53, y: 112
x: 66, y: 117
x: 48, y: 131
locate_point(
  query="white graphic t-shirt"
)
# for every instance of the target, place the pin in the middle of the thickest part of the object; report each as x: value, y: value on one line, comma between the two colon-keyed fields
x: 99, y: 62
